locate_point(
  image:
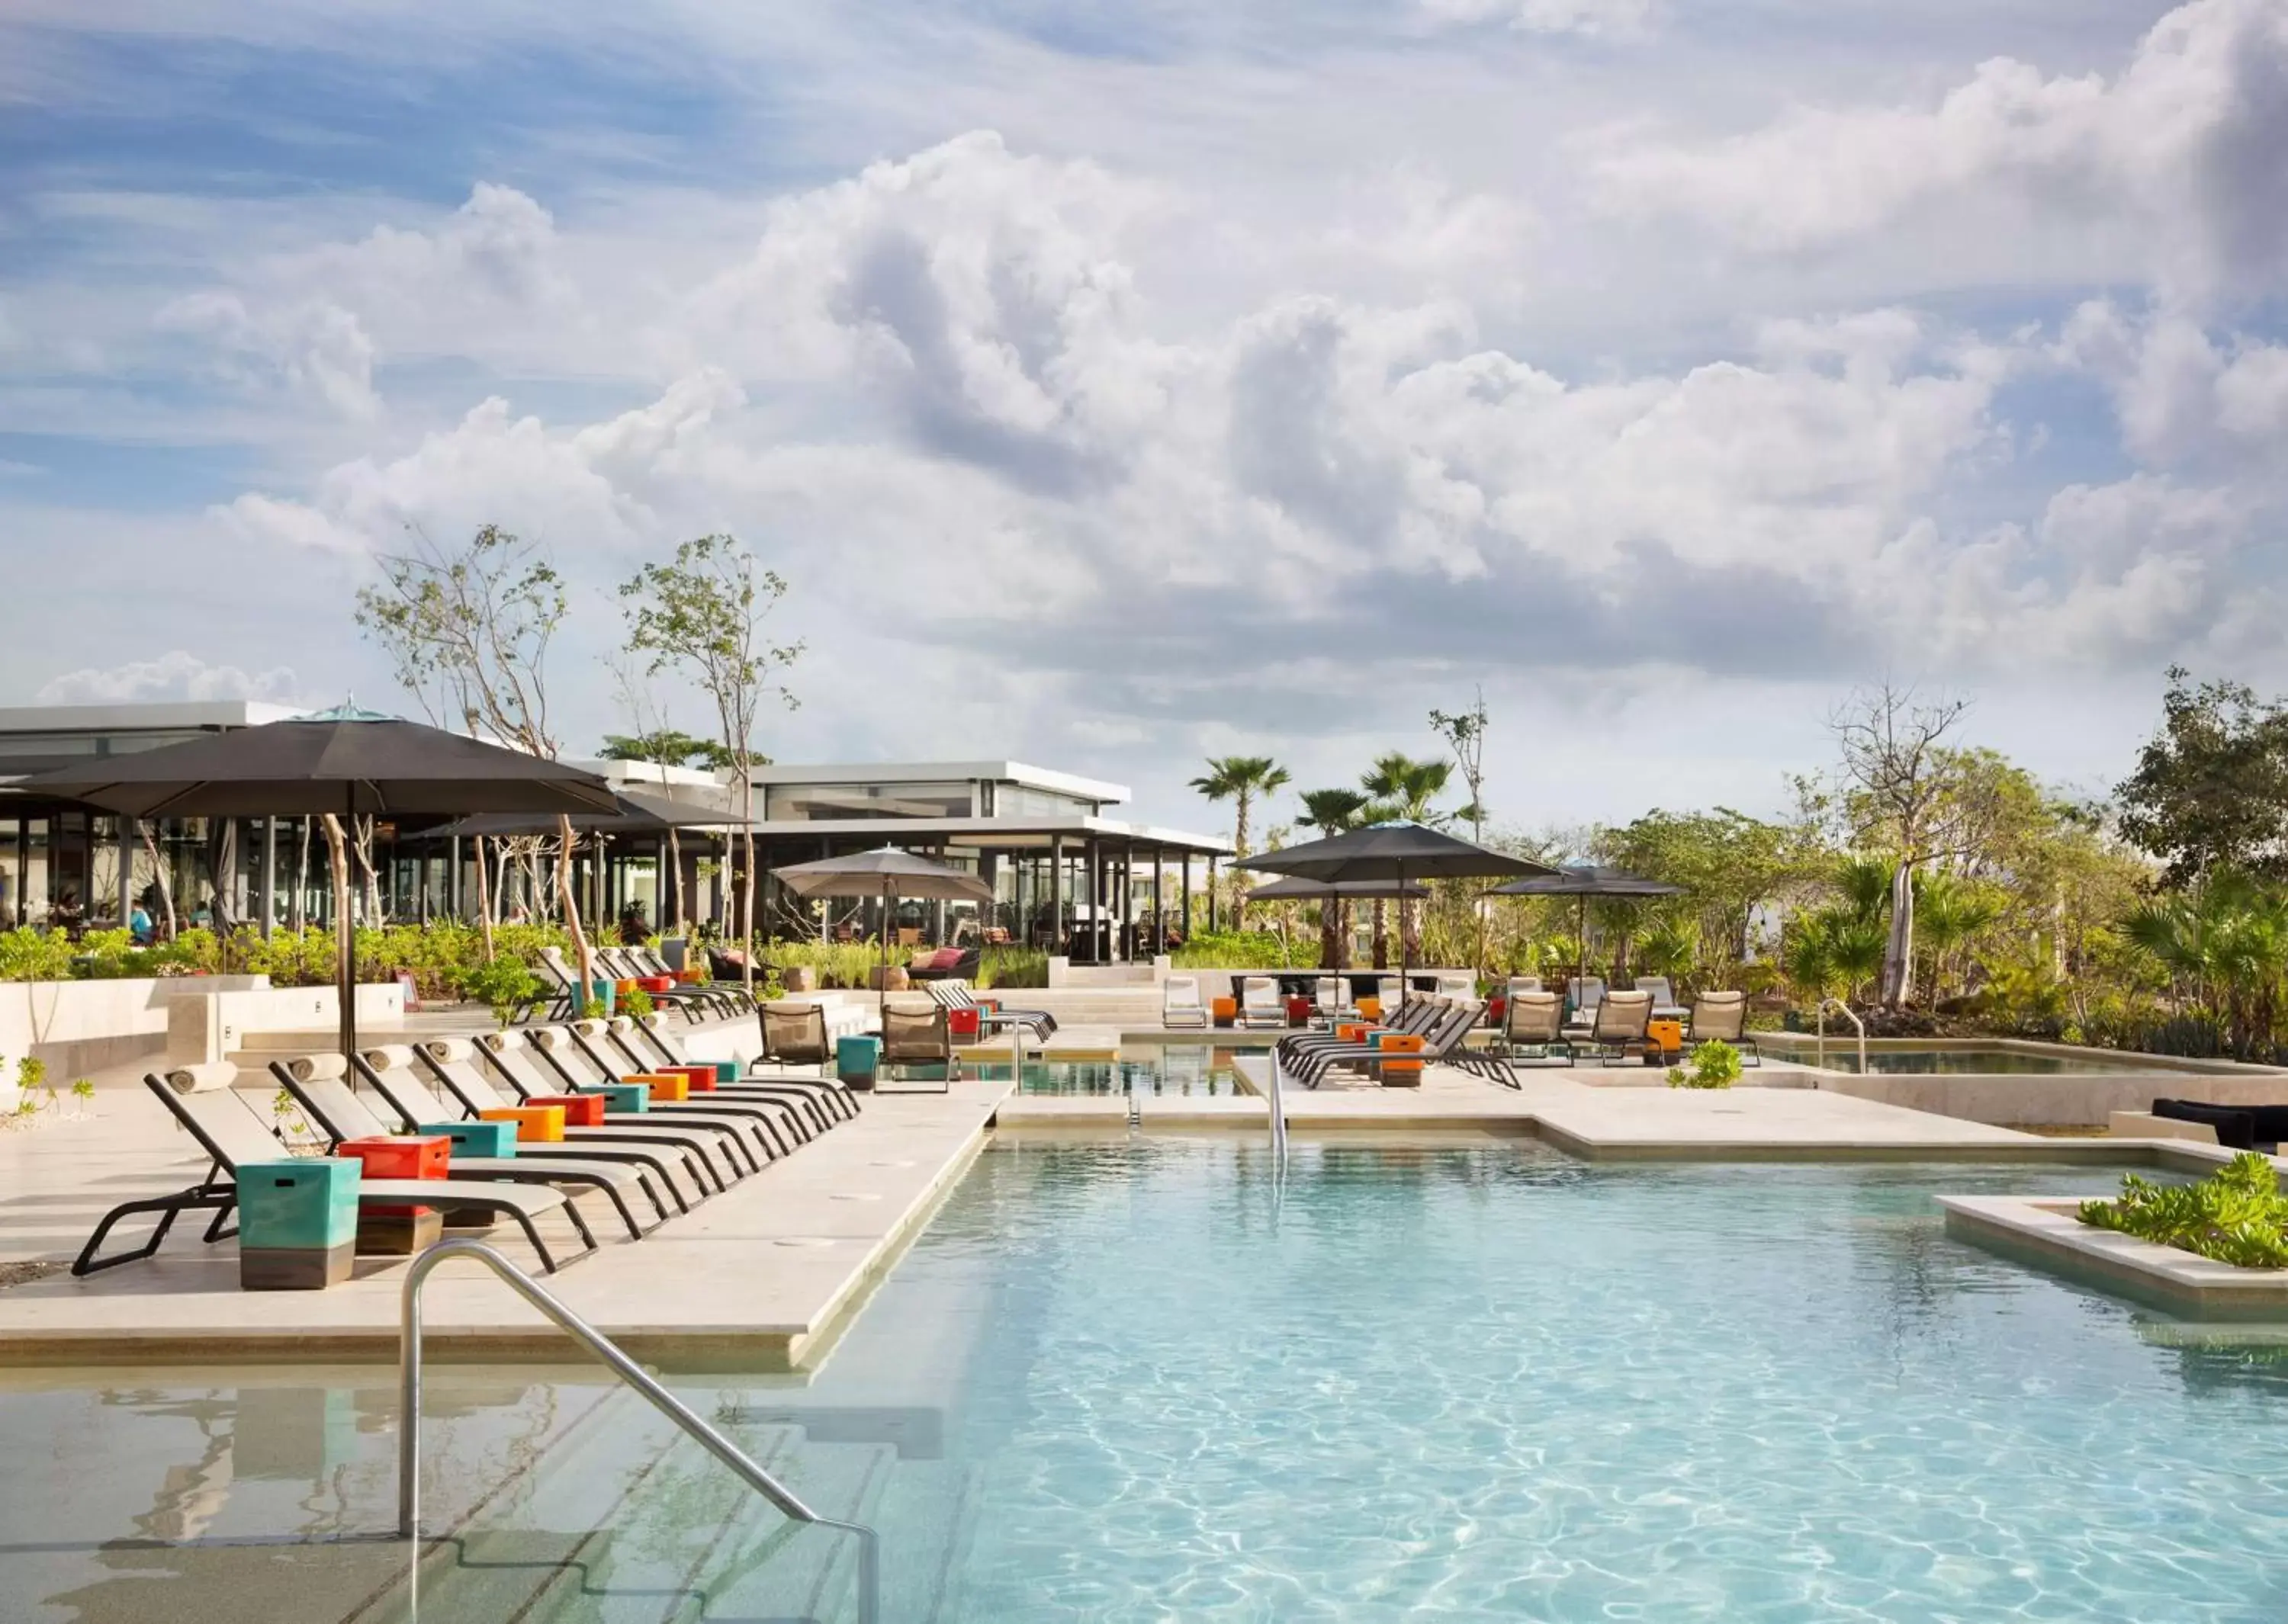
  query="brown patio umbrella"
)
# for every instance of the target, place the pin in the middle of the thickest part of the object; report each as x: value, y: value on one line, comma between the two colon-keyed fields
x: 888, y: 872
x: 1394, y: 852
x: 346, y: 761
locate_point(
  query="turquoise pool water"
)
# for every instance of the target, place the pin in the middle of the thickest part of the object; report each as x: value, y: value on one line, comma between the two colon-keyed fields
x: 1178, y: 1068
x: 1958, y: 1062
x: 1144, y: 1381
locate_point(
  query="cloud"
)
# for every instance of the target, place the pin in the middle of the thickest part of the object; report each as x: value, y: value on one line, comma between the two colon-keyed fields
x: 313, y: 346
x: 1606, y: 18
x: 2182, y: 395
x: 2179, y: 151
x: 176, y: 674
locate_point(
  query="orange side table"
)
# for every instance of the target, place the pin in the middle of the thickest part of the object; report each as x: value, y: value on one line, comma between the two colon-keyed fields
x: 1223, y: 1012
x: 1403, y: 1073
x: 1665, y: 1035
x: 534, y: 1124
x: 1371, y: 1008
x: 400, y: 1156
x: 662, y: 1085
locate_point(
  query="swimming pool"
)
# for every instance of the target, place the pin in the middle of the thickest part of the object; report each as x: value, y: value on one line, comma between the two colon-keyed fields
x: 1842, y: 1055
x: 1195, y: 1069
x: 1144, y: 1379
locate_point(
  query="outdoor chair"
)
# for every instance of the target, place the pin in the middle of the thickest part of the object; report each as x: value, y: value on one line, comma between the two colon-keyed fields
x: 560, y: 1052
x: 1533, y: 1019
x: 1417, y: 1017
x: 916, y: 1032
x: 955, y: 994
x: 1456, y: 984
x: 468, y: 1076
x: 1331, y: 1001
x: 648, y: 1042
x: 778, y: 1106
x: 203, y: 1101
x: 947, y: 964
x: 1663, y: 997
x: 1260, y: 1004
x: 1722, y: 1018
x: 794, y: 1033
x: 1620, y: 1025
x: 320, y: 1085
x: 1443, y: 1040
x: 626, y: 964
x: 1179, y: 1002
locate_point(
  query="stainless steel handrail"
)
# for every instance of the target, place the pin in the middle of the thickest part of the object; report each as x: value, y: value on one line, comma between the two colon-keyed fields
x: 606, y: 1353
x: 1819, y: 1050
x: 1278, y: 1110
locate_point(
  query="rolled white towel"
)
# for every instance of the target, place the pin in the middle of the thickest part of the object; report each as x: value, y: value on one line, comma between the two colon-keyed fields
x: 203, y: 1078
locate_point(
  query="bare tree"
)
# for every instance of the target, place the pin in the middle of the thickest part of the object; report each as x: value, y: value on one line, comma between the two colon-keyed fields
x: 468, y: 630
x: 705, y: 611
x: 1465, y: 734
x: 1903, y: 781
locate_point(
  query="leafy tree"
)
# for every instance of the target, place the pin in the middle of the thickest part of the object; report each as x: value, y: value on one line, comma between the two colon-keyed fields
x: 1729, y: 865
x: 1331, y: 812
x: 665, y: 747
x: 468, y: 630
x: 2210, y: 789
x: 1405, y: 788
x: 1242, y: 780
x: 1465, y: 734
x: 705, y: 612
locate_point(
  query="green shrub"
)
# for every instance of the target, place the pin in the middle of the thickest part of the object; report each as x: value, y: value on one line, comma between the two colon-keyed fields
x: 505, y: 986
x: 1714, y: 1065
x: 1247, y: 950
x: 29, y: 954
x: 1017, y: 967
x: 2237, y: 1216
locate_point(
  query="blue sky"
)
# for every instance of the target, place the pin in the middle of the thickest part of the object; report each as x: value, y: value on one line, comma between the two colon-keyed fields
x: 1122, y: 384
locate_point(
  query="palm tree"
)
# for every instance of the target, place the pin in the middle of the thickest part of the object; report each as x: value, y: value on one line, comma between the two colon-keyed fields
x: 1405, y: 788
x: 1950, y: 913
x: 1331, y: 812
x: 1240, y: 778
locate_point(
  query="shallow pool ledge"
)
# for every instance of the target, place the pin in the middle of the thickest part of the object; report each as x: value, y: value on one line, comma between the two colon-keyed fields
x: 2045, y: 1235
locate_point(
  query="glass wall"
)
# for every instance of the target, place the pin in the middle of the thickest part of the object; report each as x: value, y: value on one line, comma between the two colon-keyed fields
x: 812, y: 801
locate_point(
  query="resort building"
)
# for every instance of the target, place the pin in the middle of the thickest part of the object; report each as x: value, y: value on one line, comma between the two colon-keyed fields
x: 1068, y: 877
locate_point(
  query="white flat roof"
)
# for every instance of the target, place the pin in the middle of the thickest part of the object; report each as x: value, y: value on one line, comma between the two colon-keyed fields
x: 990, y: 831
x: 169, y: 717
x: 940, y: 772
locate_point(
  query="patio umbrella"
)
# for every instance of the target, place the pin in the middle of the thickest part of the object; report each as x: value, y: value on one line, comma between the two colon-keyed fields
x: 1393, y: 852
x: 888, y: 872
x: 349, y: 761
x: 1585, y: 882
x: 634, y: 811
x: 1294, y: 888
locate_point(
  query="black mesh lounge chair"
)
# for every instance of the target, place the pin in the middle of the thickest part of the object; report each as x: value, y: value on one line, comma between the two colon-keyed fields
x: 1418, y: 1016
x: 730, y: 995
x: 321, y: 1086
x: 956, y: 995
x: 605, y: 1045
x: 916, y: 1032
x: 623, y: 965
x: 1619, y: 1028
x: 545, y: 1051
x: 504, y: 1058
x: 774, y: 1124
x: 1722, y: 1018
x: 200, y: 1099
x: 422, y: 1095
x: 1445, y: 1040
x: 648, y: 1042
x: 2239, y: 1127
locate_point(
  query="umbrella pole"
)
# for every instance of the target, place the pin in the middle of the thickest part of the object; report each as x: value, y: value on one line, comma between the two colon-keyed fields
x: 1405, y: 983
x: 344, y: 933
x: 1583, y: 931
x: 882, y: 992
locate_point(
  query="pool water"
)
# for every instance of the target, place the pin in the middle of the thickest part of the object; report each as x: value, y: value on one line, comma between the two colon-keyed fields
x: 1844, y: 1057
x: 1178, y: 1068
x: 1148, y: 1380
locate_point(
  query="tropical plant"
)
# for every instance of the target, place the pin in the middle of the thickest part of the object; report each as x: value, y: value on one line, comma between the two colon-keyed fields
x: 1714, y: 1064
x: 2235, y: 1216
x: 1951, y: 914
x: 1242, y: 780
x: 1405, y: 788
x: 1331, y: 812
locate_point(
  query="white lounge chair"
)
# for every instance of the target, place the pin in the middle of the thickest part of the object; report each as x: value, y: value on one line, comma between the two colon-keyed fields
x: 1331, y: 1000
x: 1456, y: 984
x: 1179, y: 1002
x: 1260, y: 1003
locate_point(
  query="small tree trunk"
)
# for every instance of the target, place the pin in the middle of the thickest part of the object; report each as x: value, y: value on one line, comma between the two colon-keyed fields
x: 158, y: 876
x: 1899, y: 950
x: 1381, y: 935
x: 484, y: 901
x: 297, y: 912
x: 571, y: 906
x: 670, y: 890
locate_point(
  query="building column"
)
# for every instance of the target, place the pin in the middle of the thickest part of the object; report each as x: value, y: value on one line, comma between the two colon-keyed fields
x: 127, y: 827
x: 1056, y: 894
x: 1159, y: 903
x: 1092, y: 860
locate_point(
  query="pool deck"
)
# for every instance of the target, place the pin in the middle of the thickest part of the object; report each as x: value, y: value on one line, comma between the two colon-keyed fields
x: 761, y: 1277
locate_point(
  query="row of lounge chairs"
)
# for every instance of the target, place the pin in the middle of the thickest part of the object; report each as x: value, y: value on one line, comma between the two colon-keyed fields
x: 1618, y: 1028
x: 673, y: 1154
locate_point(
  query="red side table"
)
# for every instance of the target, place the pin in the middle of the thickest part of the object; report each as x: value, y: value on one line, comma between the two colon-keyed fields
x: 417, y: 1156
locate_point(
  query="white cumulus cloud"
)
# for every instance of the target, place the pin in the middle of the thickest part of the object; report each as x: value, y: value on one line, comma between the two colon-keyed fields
x: 176, y: 674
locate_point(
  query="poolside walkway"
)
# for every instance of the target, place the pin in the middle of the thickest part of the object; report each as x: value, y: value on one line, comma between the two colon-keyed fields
x: 753, y: 1279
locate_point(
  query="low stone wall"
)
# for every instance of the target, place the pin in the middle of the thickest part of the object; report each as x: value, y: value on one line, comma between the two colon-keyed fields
x: 82, y: 1027
x: 257, y: 1017
x: 2086, y: 1100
